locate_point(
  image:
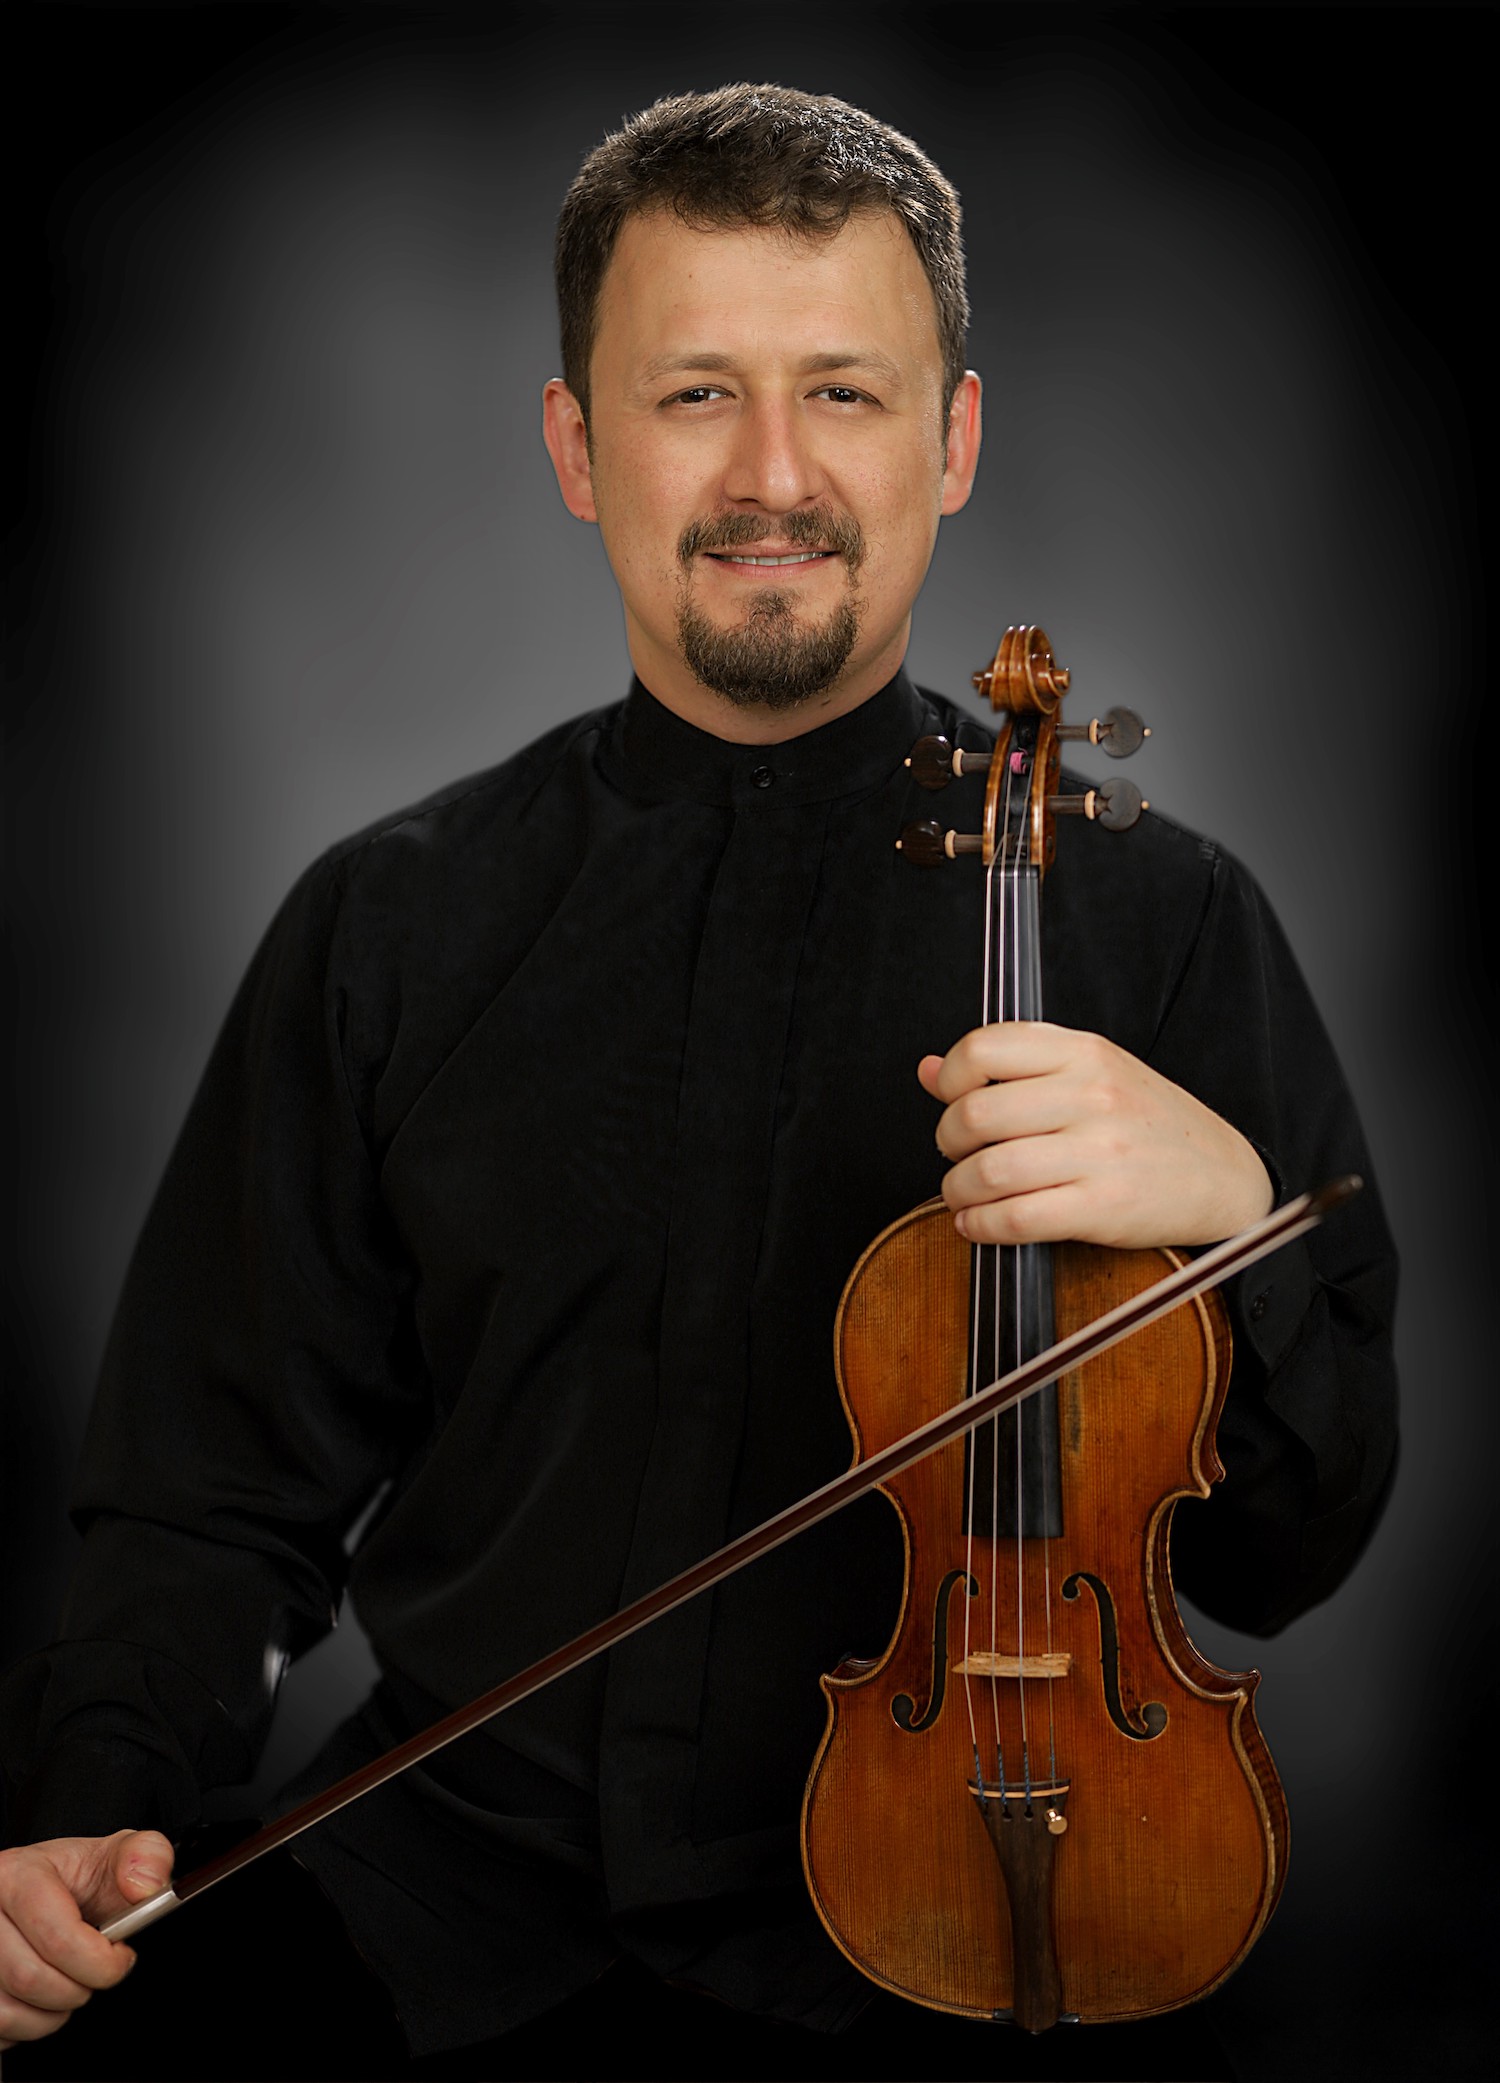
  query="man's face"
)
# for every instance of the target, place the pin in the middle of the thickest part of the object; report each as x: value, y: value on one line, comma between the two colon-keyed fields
x: 755, y: 398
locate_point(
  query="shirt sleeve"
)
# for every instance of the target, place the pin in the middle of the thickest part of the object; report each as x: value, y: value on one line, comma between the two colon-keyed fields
x: 1309, y: 1431
x: 258, y: 1386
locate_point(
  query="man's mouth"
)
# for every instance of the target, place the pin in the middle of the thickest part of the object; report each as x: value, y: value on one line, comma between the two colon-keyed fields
x: 751, y: 543
x: 795, y: 557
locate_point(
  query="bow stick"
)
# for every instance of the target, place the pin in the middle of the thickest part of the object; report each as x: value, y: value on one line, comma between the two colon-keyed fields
x: 1268, y: 1235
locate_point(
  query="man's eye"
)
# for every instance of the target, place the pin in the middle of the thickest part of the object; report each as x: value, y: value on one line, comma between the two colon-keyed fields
x: 842, y: 394
x: 697, y: 395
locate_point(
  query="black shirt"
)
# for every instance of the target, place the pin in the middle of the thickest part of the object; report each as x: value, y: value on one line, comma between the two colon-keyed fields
x: 524, y: 1179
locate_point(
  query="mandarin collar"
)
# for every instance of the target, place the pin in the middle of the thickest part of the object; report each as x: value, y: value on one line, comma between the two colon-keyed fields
x: 653, y: 752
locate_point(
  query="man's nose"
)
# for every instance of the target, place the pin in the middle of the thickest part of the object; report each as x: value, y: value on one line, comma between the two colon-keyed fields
x: 772, y: 462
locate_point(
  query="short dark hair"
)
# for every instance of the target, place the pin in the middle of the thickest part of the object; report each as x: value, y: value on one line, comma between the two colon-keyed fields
x: 744, y: 155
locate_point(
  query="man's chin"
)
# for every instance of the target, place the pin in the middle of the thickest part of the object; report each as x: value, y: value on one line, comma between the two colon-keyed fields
x: 771, y: 661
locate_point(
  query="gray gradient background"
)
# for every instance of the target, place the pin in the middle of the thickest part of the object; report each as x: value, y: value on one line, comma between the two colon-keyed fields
x: 291, y: 554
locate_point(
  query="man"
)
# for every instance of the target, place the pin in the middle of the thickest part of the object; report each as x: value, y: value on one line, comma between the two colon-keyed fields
x: 522, y: 1184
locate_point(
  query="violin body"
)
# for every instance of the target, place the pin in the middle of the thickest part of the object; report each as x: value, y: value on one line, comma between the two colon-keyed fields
x: 1175, y: 1839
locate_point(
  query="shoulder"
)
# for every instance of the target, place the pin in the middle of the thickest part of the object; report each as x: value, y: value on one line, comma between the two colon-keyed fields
x: 453, y: 853
x: 434, y: 900
x: 476, y: 809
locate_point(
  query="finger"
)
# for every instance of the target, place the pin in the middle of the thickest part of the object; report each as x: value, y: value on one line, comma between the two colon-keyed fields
x: 928, y: 1072
x: 1050, y: 1216
x: 139, y: 1865
x: 1005, y: 1049
x: 1019, y: 1111
x: 42, y: 1909
x: 1000, y: 1171
x: 32, y: 1982
x: 22, y: 2022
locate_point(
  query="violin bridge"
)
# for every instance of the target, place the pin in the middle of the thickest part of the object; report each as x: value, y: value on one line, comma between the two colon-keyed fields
x: 986, y: 1663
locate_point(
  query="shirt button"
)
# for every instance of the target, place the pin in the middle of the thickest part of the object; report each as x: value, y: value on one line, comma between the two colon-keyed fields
x: 1258, y: 1306
x: 761, y: 777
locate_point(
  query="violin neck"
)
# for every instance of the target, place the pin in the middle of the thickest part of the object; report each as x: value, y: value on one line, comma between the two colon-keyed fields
x: 1013, y: 970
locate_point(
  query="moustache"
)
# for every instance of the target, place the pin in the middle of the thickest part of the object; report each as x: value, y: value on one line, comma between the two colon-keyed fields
x: 817, y: 528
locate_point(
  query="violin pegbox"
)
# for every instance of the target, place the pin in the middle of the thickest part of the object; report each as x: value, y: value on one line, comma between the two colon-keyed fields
x: 1024, y: 680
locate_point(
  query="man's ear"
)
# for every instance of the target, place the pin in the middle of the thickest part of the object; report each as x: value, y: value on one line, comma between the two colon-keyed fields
x: 964, y: 430
x: 566, y: 436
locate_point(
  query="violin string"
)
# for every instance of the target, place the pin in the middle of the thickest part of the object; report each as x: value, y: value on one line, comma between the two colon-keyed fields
x: 1047, y: 1585
x: 995, y: 996
x: 1015, y: 1265
x: 1031, y: 1292
x: 1032, y: 956
x: 976, y: 1261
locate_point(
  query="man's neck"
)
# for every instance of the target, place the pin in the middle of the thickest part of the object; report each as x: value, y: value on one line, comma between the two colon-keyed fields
x: 744, y: 723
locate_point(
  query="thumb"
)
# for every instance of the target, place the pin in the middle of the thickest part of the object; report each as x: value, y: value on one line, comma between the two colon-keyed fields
x: 928, y: 1072
x: 142, y: 1864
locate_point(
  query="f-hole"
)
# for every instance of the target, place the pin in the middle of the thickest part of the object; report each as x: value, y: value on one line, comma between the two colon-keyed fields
x: 1153, y: 1716
x: 904, y: 1707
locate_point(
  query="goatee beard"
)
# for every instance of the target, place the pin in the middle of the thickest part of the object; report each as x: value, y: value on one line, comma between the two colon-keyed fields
x: 771, y: 661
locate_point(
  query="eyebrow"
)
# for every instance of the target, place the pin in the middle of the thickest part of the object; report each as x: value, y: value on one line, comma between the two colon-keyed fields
x: 710, y: 363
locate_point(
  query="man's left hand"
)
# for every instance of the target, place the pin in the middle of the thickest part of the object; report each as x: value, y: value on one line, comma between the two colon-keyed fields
x: 1053, y: 1133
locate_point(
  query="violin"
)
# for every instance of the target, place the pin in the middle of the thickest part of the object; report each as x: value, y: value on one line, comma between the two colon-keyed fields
x: 1041, y: 1803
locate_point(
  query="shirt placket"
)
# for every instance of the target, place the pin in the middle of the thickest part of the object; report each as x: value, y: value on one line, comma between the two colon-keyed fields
x: 735, y: 1047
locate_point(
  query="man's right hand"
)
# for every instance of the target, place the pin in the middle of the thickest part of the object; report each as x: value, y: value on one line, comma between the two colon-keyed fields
x: 52, y: 1895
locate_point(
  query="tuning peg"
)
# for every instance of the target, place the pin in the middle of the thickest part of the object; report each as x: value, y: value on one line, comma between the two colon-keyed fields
x: 925, y: 844
x: 934, y: 762
x: 1114, y: 804
x: 931, y: 762
x: 1120, y: 803
x: 1119, y: 733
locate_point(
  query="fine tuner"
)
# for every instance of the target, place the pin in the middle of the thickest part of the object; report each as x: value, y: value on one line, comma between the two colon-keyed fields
x: 1024, y: 678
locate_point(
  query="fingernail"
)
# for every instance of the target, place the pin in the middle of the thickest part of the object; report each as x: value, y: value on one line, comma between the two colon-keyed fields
x: 961, y: 1223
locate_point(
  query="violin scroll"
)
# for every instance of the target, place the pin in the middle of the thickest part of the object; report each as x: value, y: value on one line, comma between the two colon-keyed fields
x: 1024, y: 674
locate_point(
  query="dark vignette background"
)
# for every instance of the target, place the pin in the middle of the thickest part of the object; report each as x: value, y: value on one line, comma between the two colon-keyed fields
x: 289, y: 553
